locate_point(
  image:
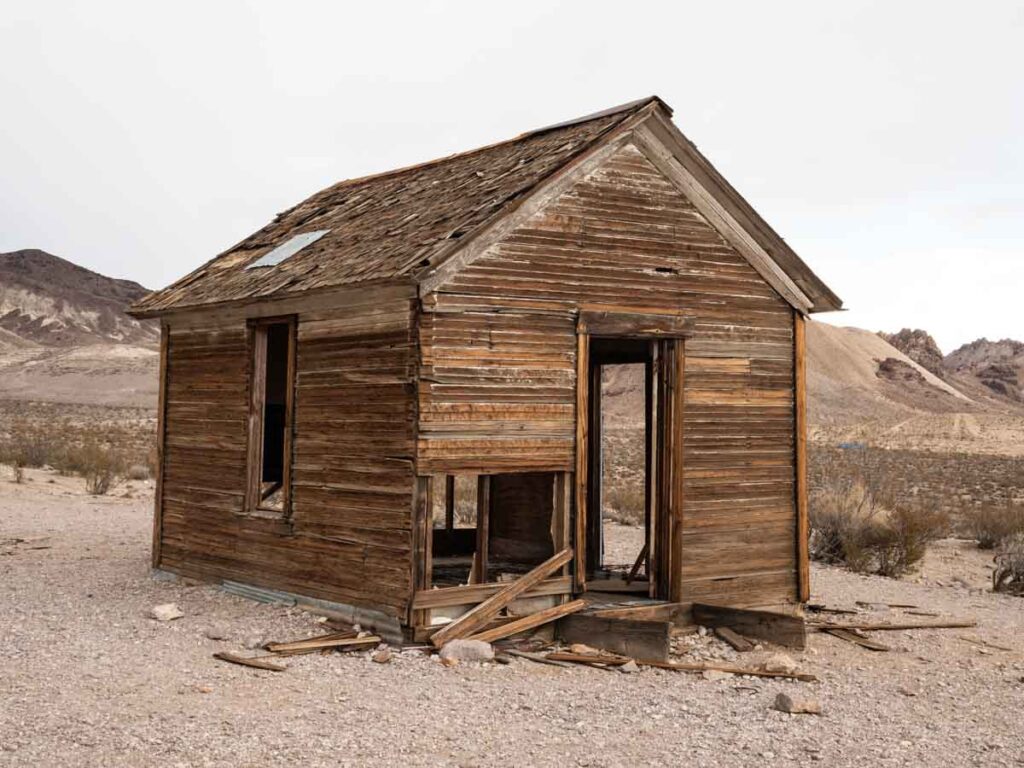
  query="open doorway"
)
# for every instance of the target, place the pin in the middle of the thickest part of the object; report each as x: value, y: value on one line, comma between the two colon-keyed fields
x: 619, y: 519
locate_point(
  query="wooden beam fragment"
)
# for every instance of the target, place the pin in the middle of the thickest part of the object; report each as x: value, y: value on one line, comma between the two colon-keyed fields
x: 531, y: 621
x: 476, y: 617
x: 822, y: 627
x: 337, y: 640
x: 737, y: 641
x: 258, y: 662
x: 779, y: 628
x: 851, y: 636
x: 629, y: 637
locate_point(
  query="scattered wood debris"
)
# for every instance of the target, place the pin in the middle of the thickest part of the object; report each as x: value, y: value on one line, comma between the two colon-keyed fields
x: 869, y: 627
x: 334, y: 641
x: 258, y: 662
x: 466, y: 624
x: 779, y: 628
x: 531, y: 621
x: 855, y: 637
x: 737, y: 641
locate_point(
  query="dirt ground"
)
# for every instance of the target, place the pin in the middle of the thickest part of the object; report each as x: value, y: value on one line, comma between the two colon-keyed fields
x: 88, y: 679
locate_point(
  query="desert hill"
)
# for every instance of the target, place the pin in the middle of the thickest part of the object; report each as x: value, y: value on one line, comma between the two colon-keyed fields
x: 50, y: 301
x: 64, y: 335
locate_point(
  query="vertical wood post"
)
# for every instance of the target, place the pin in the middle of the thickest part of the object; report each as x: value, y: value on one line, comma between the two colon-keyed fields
x: 800, y: 404
x: 483, y: 527
x: 677, y: 389
x: 582, y: 439
x: 161, y: 429
x: 422, y: 544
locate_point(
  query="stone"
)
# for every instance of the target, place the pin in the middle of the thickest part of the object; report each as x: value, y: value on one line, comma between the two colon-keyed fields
x: 629, y: 666
x: 796, y: 706
x: 382, y: 655
x: 467, y: 650
x: 166, y: 612
x: 780, y: 662
x: 583, y: 649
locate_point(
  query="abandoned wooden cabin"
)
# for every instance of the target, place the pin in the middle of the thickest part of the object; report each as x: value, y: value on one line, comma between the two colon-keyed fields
x: 389, y: 398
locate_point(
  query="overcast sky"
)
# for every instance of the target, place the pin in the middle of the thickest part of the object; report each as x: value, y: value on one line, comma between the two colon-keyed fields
x: 884, y: 141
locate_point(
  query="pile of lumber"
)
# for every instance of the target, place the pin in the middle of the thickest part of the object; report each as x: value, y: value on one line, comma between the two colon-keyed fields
x: 484, y: 621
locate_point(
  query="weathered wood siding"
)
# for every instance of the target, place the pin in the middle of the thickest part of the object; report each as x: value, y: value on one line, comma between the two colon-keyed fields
x: 348, y: 537
x: 497, y: 389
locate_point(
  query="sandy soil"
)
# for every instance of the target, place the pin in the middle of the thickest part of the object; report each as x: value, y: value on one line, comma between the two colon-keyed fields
x: 88, y: 679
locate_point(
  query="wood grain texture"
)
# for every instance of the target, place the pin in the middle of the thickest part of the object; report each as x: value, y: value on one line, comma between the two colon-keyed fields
x: 802, y: 521
x: 499, y: 388
x: 349, y: 537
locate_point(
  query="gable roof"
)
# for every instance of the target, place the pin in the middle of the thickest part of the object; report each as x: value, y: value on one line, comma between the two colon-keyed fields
x: 404, y: 224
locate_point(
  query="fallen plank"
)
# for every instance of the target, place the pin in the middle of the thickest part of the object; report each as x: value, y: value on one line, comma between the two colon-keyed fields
x: 476, y: 617
x: 602, y: 660
x: 734, y: 639
x: 540, y: 658
x: 680, y: 666
x: 259, y: 662
x: 866, y: 604
x: 319, y: 644
x: 531, y: 621
x: 779, y: 628
x: 851, y: 636
x: 637, y: 563
x: 629, y: 637
x: 822, y: 626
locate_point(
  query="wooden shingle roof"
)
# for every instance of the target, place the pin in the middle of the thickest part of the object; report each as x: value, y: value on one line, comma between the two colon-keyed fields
x: 389, y: 225
x: 407, y: 224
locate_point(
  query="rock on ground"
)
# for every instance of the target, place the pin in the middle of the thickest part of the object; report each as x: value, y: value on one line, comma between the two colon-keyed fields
x: 467, y: 650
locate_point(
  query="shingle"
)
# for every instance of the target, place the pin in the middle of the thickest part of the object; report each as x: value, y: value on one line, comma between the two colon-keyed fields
x: 389, y: 225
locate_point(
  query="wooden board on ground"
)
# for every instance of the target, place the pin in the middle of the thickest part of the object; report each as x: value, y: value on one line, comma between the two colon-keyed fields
x: 851, y: 636
x: 779, y: 628
x: 737, y: 641
x: 630, y: 637
x: 531, y: 621
x: 257, y: 662
x: 476, y: 617
x: 867, y: 627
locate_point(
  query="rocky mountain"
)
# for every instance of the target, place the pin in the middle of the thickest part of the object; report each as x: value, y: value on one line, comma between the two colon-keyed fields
x: 64, y: 336
x: 919, y: 346
x: 996, y: 365
x: 49, y: 301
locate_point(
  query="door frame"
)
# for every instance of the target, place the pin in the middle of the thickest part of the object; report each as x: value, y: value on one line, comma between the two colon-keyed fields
x: 666, y: 333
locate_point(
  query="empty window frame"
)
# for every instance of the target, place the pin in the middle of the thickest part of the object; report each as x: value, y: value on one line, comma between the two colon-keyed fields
x: 271, y: 390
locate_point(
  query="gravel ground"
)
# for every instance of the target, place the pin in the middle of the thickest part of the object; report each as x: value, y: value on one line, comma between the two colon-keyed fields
x: 88, y: 679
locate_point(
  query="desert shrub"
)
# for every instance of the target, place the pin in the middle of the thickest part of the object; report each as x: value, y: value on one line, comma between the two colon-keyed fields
x: 26, y: 447
x: 624, y: 504
x: 843, y: 513
x: 993, y: 523
x: 101, y: 466
x: 1009, y: 573
x: 903, y: 536
x: 869, y: 531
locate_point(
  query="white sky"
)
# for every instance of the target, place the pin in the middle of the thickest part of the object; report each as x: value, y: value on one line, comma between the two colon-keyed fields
x: 884, y: 141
